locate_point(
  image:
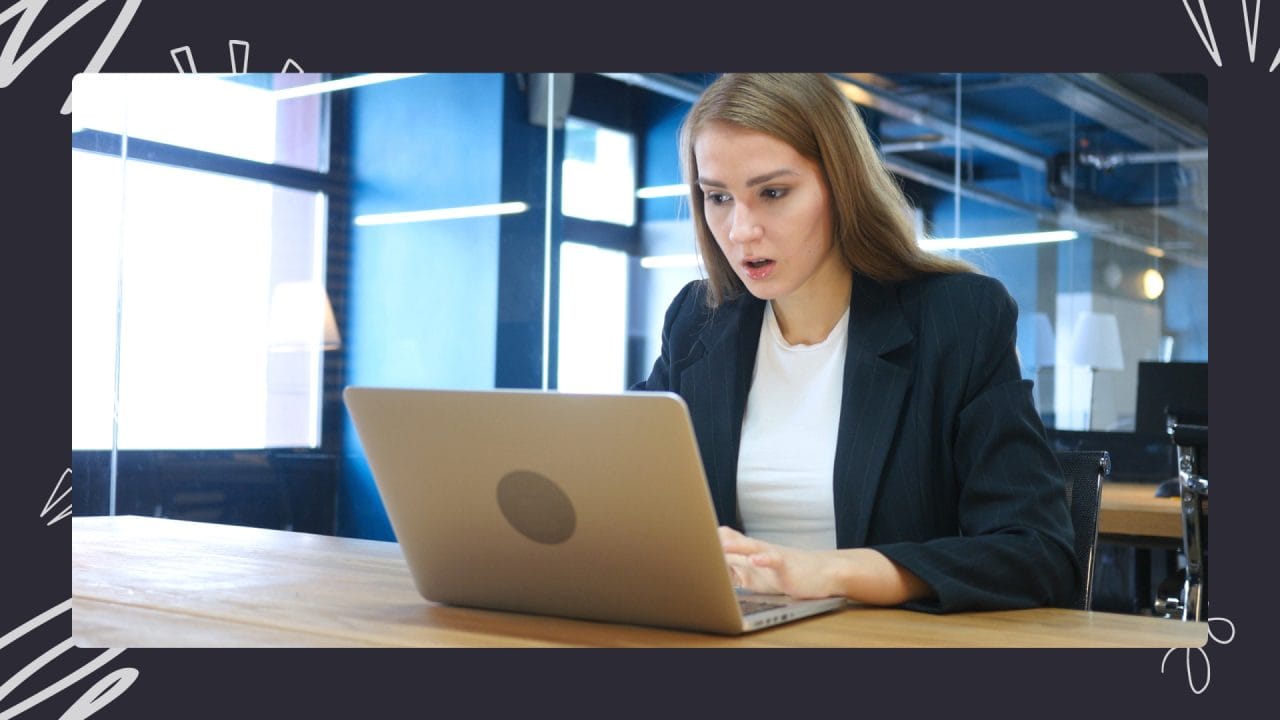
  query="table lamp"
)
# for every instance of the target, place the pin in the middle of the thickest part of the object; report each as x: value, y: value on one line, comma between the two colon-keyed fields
x: 1095, y: 344
x: 1046, y: 347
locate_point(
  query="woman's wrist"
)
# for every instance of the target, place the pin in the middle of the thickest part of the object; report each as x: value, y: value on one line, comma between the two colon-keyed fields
x: 868, y: 576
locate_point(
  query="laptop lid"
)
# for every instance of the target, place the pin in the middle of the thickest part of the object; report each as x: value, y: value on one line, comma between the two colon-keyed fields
x: 584, y: 506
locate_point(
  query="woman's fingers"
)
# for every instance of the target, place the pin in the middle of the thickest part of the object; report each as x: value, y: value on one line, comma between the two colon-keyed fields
x: 767, y: 559
x: 732, y: 541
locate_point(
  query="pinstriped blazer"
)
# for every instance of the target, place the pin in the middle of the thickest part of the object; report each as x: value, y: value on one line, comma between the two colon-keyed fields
x: 941, y: 460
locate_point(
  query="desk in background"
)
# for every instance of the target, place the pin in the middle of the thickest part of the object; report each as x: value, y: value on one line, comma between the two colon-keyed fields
x: 149, y: 582
x: 1149, y: 529
x: 1132, y: 513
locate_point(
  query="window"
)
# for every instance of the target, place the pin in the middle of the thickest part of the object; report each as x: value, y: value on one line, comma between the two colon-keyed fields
x: 599, y: 173
x: 592, y: 349
x: 189, y: 284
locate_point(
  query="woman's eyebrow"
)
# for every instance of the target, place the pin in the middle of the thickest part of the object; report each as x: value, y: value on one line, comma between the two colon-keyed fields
x: 757, y: 180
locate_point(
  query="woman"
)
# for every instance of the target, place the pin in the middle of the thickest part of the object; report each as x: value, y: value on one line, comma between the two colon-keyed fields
x: 857, y: 402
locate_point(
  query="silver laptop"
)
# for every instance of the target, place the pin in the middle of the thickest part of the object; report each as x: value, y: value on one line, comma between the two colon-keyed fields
x: 582, y: 506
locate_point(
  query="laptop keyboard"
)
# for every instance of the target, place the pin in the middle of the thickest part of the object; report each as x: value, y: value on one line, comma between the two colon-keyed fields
x: 755, y: 606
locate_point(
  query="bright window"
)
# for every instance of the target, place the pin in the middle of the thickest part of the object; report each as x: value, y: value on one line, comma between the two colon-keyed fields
x: 237, y: 116
x: 592, y: 349
x: 599, y: 173
x: 216, y: 281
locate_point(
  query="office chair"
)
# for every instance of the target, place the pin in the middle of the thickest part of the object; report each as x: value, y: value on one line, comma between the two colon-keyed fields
x: 1085, y: 471
x: 1187, y: 592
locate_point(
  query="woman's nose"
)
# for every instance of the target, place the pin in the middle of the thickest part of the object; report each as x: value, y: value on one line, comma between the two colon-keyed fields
x: 745, y: 228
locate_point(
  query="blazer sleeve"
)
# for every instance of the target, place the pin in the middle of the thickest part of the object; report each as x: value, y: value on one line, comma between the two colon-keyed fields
x: 1014, y: 547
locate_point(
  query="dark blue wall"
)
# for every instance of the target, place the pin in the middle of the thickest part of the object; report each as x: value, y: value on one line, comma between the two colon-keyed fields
x: 661, y: 162
x: 423, y: 296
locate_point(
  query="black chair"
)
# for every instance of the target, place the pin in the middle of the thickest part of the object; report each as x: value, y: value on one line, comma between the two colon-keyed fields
x: 1187, y: 592
x: 1085, y: 471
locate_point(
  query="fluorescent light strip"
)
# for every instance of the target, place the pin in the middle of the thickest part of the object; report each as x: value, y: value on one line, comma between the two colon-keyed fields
x: 991, y: 241
x: 454, y: 213
x: 661, y: 191
x: 340, y: 84
x: 654, y: 262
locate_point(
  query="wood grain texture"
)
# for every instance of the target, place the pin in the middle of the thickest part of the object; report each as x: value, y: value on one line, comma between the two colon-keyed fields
x: 149, y: 582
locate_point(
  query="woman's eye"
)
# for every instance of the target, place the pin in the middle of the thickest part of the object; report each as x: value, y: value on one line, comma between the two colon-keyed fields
x: 773, y: 193
x: 716, y: 198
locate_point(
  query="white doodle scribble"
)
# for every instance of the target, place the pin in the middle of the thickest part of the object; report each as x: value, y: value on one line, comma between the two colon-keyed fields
x: 1251, y: 29
x: 186, y: 63
x: 1210, y: 42
x: 1251, y: 25
x: 12, y: 63
x: 185, y: 52
x: 48, y: 505
x: 94, y: 699
x: 1190, y: 677
x: 243, y: 65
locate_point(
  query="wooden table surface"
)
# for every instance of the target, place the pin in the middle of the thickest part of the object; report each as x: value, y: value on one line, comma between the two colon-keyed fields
x: 148, y: 582
x: 1132, y: 510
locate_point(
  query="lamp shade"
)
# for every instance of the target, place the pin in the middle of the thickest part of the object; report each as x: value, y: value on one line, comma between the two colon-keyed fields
x: 1046, y: 343
x: 1095, y: 342
x: 301, y: 318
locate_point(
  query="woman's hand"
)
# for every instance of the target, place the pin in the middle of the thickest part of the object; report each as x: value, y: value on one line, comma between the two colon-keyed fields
x: 860, y: 574
x: 767, y: 568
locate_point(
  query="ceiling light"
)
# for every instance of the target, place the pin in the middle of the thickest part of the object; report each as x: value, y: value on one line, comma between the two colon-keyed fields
x: 1152, y: 284
x: 990, y: 241
x: 453, y: 213
x: 654, y: 262
x: 660, y: 191
x: 339, y: 84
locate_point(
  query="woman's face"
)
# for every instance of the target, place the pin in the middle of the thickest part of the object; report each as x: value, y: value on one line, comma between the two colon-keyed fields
x: 769, y: 210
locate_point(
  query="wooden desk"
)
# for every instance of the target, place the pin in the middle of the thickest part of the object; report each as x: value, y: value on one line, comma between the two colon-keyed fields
x: 147, y: 582
x: 1131, y: 512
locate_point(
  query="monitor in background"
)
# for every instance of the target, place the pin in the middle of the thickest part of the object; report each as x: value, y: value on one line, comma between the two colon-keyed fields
x: 1175, y: 388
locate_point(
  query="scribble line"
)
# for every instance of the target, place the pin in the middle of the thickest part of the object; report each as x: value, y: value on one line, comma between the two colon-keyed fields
x: 239, y: 50
x: 1251, y: 31
x: 102, y: 692
x: 1207, y: 668
x: 185, y: 52
x: 243, y: 65
x: 12, y: 64
x: 1210, y: 43
x: 48, y: 505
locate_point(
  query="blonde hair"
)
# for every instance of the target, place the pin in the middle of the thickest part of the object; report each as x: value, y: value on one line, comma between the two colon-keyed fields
x: 870, y: 217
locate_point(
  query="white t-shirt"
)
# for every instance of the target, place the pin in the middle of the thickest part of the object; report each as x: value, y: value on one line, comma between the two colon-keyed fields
x: 787, y: 455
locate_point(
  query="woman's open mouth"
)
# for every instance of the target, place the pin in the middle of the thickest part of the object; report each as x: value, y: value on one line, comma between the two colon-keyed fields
x: 758, y: 268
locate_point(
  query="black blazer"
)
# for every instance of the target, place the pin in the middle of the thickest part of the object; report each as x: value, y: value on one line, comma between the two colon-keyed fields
x: 941, y: 460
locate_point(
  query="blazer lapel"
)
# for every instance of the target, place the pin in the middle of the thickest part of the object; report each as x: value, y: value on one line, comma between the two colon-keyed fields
x: 717, y: 384
x: 874, y: 389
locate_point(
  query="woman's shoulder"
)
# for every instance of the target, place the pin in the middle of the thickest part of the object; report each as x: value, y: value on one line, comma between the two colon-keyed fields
x: 963, y: 292
x: 958, y: 310
x: 689, y: 317
x: 690, y: 304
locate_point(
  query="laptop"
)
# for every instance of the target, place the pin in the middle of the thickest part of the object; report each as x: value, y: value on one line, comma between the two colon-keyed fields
x: 574, y: 505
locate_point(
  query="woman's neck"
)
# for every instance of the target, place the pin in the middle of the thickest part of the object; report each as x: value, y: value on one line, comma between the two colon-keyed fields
x: 807, y: 316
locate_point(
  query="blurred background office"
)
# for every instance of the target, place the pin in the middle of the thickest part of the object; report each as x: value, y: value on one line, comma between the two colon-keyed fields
x: 244, y: 246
